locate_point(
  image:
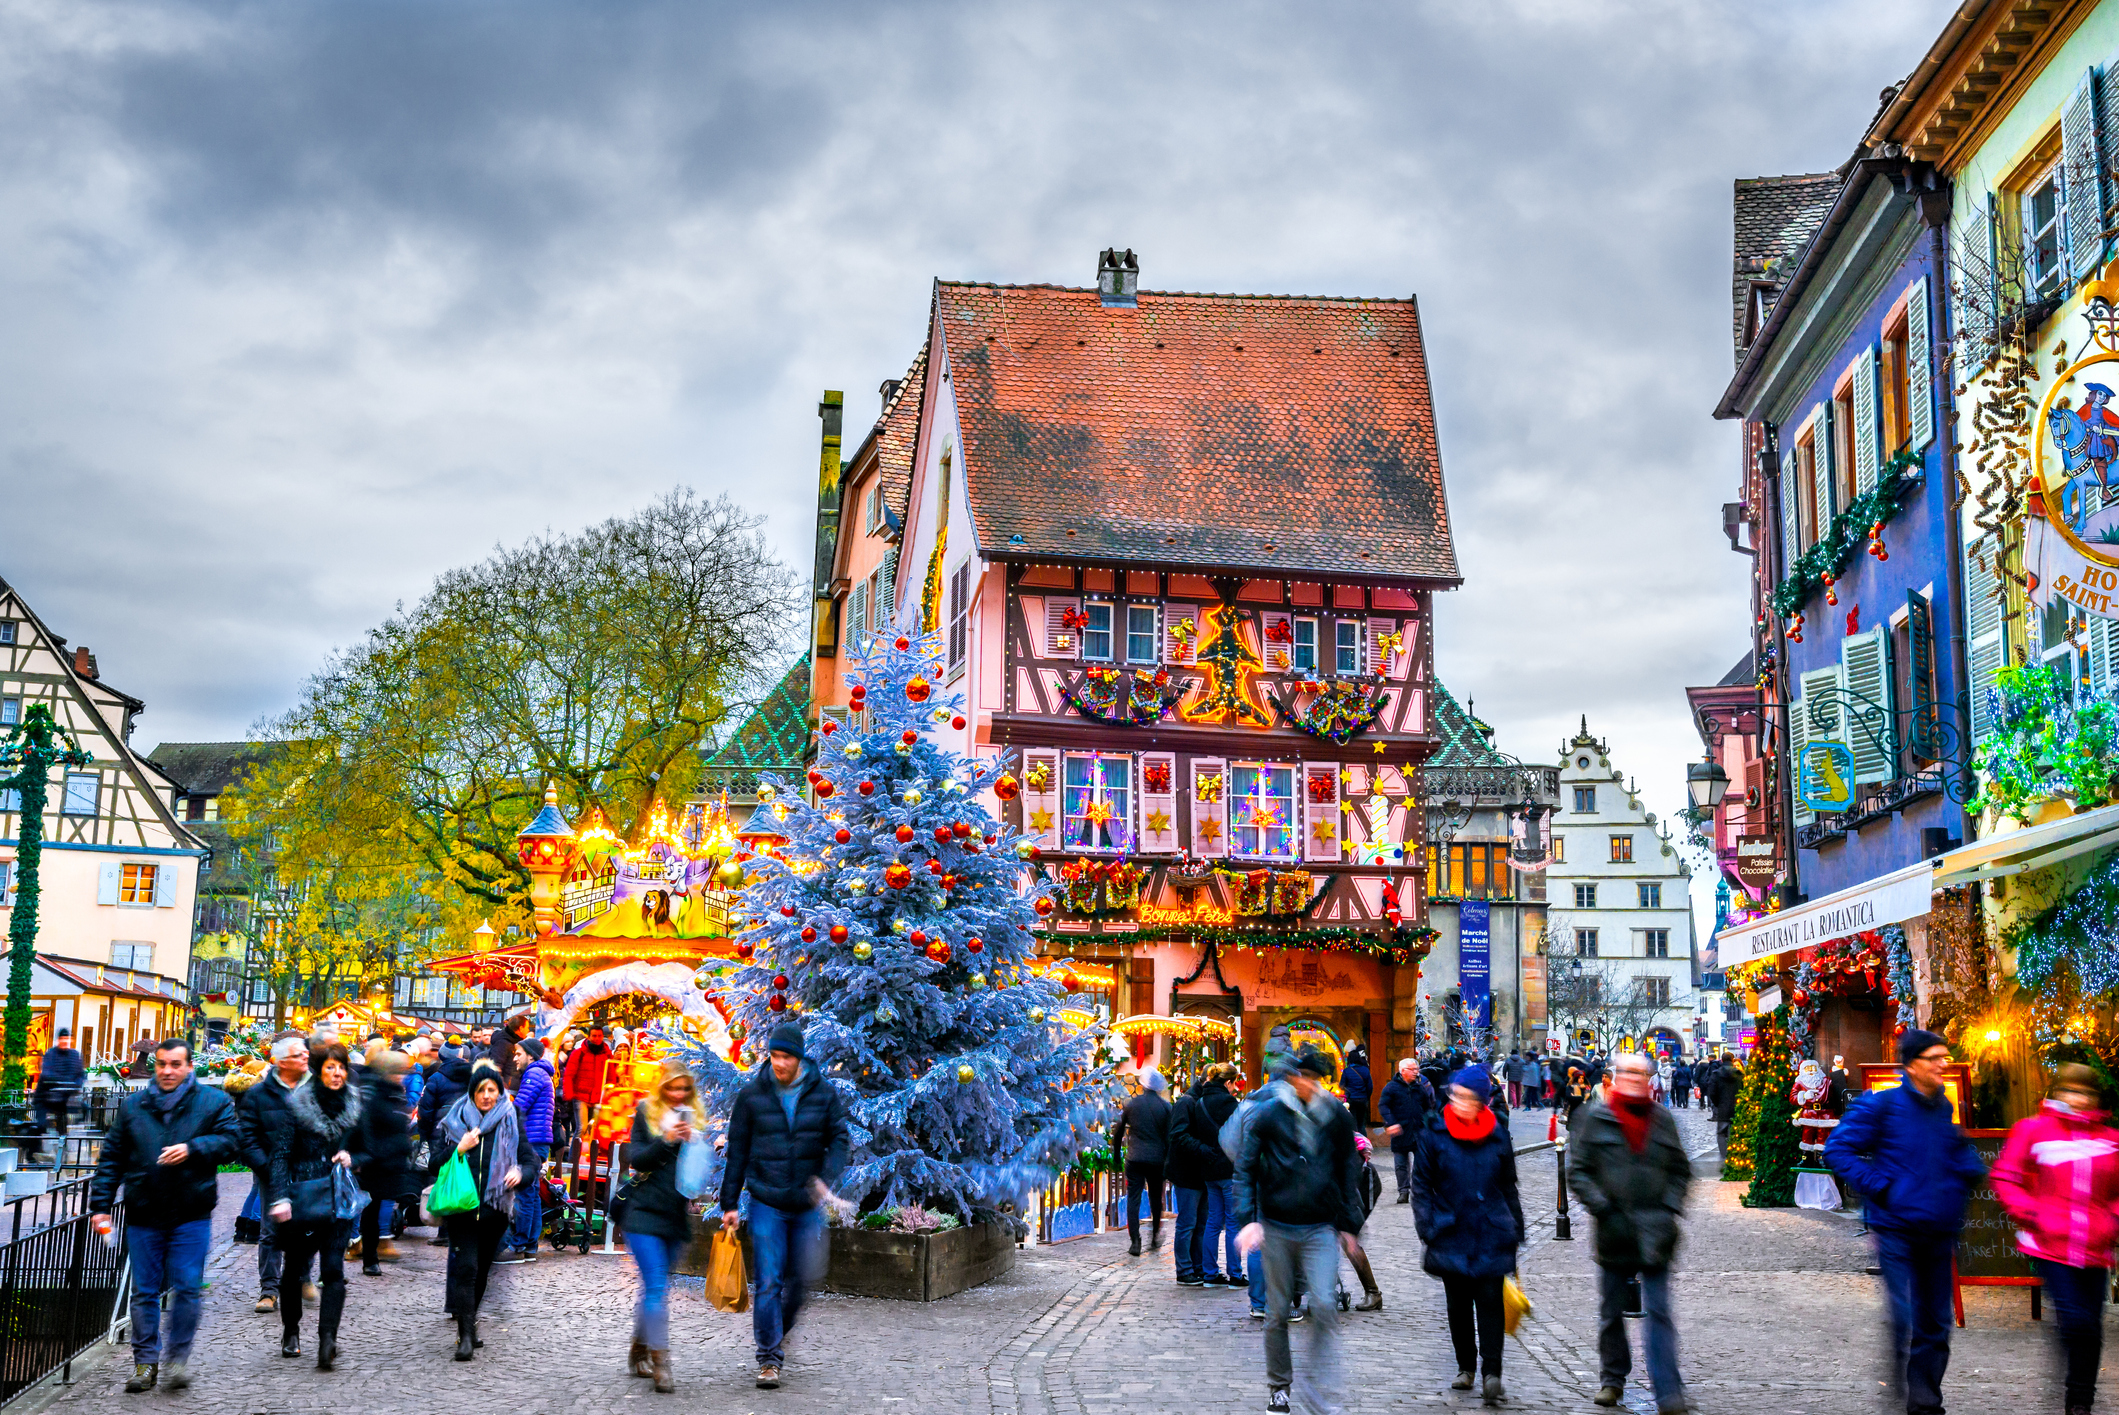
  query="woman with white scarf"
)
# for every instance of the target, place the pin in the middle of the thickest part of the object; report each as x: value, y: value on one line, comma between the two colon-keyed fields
x: 484, y: 1129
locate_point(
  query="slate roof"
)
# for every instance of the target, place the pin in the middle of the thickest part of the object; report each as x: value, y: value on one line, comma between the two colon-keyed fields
x: 1744, y: 674
x: 898, y: 435
x: 209, y: 768
x: 1775, y: 219
x: 1273, y: 434
x: 773, y: 738
x: 1466, y: 741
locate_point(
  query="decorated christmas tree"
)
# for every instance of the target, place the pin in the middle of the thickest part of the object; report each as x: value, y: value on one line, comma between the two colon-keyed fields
x: 895, y: 929
x: 1765, y: 1118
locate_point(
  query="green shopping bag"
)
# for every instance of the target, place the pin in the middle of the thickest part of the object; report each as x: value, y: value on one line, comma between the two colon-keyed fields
x: 455, y: 1192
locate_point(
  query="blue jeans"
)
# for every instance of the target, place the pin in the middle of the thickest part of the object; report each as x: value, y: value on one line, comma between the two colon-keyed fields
x: 171, y: 1260
x: 2078, y: 1303
x: 529, y: 1205
x: 651, y: 1314
x: 1307, y: 1254
x: 1916, y: 1273
x: 1191, y: 1221
x: 1221, y: 1230
x: 1254, y: 1271
x: 789, y: 1251
x: 1615, y: 1356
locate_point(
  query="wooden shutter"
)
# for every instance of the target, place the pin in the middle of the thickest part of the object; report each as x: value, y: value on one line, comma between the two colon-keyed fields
x: 1158, y: 839
x: 1278, y: 628
x: 2104, y: 647
x: 1320, y: 811
x: 1920, y: 378
x: 1972, y: 283
x: 1792, y: 764
x: 1042, y: 805
x: 165, y: 886
x: 883, y: 607
x: 107, y: 883
x: 1391, y: 665
x: 2082, y: 178
x: 1984, y: 649
x: 1180, y: 648
x: 1821, y: 469
x: 1865, y: 455
x: 857, y: 618
x: 1210, y: 805
x: 1865, y: 718
x: 1061, y: 641
x: 1925, y: 737
x: 1821, y: 689
x: 1791, y: 528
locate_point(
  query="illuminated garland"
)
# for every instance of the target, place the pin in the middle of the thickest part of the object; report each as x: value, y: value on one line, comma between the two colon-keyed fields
x: 1765, y: 1118
x: 2043, y: 747
x: 1898, y: 955
x: 2080, y: 931
x: 1402, y: 945
x: 1229, y: 663
x: 1108, y: 695
x: 1340, y: 713
x: 1849, y: 532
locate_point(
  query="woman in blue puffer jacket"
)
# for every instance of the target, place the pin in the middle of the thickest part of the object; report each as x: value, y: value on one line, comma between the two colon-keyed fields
x: 1470, y: 1216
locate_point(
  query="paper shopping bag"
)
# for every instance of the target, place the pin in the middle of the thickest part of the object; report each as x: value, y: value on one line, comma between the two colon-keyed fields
x: 727, y: 1286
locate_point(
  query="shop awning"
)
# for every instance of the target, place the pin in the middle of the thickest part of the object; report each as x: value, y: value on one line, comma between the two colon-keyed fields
x: 1887, y: 899
x: 2030, y: 849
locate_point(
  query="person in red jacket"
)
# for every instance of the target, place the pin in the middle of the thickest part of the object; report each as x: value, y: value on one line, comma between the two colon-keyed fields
x: 588, y: 1068
x: 2058, y: 1176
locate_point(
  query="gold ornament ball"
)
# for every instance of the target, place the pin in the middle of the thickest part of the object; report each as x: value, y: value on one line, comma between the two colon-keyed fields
x: 912, y: 798
x: 853, y: 749
x: 965, y: 1075
x: 977, y: 981
x: 1037, y: 1014
x: 904, y: 749
x: 731, y: 875
x: 766, y: 791
x: 863, y: 950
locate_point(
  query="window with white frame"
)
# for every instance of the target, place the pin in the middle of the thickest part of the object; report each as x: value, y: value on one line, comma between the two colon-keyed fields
x: 1585, y: 896
x: 1141, y: 638
x: 136, y: 884
x: 1655, y: 943
x: 10, y: 711
x: 2043, y: 216
x: 7, y: 631
x: 1651, y: 895
x: 1305, y: 646
x: 7, y: 884
x: 959, y: 615
x: 1346, y: 647
x: 84, y: 793
x: 10, y: 799
x: 1262, y: 810
x: 1096, y: 803
x: 873, y: 515
x: 1096, y: 633
x: 140, y: 956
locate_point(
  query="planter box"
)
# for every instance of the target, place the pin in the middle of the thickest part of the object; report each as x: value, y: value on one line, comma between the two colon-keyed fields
x: 923, y: 1267
x: 906, y: 1266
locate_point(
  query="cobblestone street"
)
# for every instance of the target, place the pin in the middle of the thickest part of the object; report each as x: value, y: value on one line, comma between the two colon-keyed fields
x: 1776, y: 1315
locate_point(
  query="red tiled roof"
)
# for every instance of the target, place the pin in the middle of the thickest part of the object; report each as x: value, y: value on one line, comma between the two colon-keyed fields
x: 897, y: 434
x: 1271, y: 433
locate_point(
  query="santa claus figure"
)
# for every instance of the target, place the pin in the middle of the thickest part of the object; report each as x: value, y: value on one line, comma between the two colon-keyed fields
x: 1812, y: 1098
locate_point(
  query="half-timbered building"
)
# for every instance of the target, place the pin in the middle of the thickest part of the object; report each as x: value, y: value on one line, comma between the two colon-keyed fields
x: 1181, y: 551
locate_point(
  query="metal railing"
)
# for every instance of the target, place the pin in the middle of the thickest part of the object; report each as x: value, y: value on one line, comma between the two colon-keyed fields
x: 59, y: 1288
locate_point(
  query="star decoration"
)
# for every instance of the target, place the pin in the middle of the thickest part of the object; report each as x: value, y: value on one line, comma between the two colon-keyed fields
x: 1209, y: 831
x: 1041, y: 819
x: 1098, y: 812
x: 1323, y: 831
x: 1378, y: 746
x: 1158, y: 821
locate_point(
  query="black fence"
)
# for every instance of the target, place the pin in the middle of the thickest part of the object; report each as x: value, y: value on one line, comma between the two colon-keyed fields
x: 59, y: 1286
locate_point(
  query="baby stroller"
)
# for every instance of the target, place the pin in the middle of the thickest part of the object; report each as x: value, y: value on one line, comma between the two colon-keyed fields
x: 564, y: 1220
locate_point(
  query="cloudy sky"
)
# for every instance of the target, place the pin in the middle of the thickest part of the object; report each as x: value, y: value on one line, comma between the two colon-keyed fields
x: 302, y: 304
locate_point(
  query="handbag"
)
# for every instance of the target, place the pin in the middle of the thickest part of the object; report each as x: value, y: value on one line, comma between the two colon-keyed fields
x: 313, y: 1201
x: 455, y: 1192
x: 621, y: 1200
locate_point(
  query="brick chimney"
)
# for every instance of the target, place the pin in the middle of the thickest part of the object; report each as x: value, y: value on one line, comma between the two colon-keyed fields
x: 84, y: 662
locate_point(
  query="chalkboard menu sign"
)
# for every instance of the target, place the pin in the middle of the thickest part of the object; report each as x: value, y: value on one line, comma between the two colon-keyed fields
x: 1986, y: 1251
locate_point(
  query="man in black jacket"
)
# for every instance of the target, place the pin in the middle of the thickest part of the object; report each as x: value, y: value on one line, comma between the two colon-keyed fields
x: 1195, y: 1161
x: 60, y: 1076
x: 787, y: 1141
x: 165, y: 1148
x: 1721, y: 1092
x: 259, y: 1117
x: 1405, y: 1115
x: 1142, y: 1139
x: 1296, y: 1199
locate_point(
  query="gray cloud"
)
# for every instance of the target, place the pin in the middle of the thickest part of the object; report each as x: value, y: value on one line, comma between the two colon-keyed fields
x: 300, y: 305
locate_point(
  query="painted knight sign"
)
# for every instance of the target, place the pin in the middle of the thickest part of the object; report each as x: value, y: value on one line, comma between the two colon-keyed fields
x: 2071, y: 552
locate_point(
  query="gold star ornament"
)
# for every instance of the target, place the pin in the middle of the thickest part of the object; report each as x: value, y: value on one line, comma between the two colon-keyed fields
x: 1209, y: 830
x: 1158, y: 822
x: 1041, y: 819
x: 1323, y: 831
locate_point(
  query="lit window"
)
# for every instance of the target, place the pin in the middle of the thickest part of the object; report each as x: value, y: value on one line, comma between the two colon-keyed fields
x: 1585, y: 896
x: 1140, y: 633
x: 1098, y: 803
x: 1262, y: 811
x: 136, y: 884
x: 1622, y: 849
x: 84, y: 791
x: 1306, y: 645
x: 1347, y: 645
x: 1586, y: 800
x: 1559, y: 849
x: 1658, y: 943
x: 1651, y: 896
x: 1096, y: 634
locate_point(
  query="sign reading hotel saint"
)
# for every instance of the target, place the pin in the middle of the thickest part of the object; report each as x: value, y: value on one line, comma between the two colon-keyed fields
x: 2071, y: 553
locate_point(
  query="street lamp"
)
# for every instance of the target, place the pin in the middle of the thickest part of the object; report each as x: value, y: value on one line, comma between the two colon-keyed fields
x: 1706, y: 783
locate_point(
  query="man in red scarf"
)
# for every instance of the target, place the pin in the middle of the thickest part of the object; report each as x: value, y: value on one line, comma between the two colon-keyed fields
x: 1628, y: 1167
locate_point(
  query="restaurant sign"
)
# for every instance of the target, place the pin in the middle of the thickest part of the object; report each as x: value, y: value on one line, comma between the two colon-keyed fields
x: 1888, y: 899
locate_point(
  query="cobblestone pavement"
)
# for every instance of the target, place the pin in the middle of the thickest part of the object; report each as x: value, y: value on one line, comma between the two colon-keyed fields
x: 1776, y: 1315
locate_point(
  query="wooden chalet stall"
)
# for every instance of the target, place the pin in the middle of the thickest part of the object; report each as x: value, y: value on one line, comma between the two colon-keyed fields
x: 1184, y: 548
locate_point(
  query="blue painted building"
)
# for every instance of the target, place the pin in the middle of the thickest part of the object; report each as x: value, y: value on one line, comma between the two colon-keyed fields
x: 1859, y: 610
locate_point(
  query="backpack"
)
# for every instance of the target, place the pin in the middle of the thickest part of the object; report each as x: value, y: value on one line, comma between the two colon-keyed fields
x: 1231, y: 1136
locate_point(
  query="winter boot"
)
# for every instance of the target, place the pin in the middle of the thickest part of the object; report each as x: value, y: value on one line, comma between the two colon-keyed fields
x: 291, y: 1336
x: 664, y: 1383
x: 466, y: 1337
x: 1155, y: 1234
x: 1134, y: 1248
x: 143, y: 1379
x: 326, y: 1349
x: 637, y: 1363
x: 1371, y: 1301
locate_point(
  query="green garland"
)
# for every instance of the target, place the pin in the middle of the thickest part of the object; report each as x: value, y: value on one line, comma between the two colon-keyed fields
x: 1849, y: 531
x: 2043, y: 747
x: 2080, y: 932
x: 1403, y: 945
x: 37, y: 744
x: 1765, y: 1115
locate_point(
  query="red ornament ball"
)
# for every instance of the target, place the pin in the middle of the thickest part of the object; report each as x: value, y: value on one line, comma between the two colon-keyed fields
x: 909, y: 738
x: 949, y: 881
x: 788, y: 910
x: 1802, y: 999
x: 975, y: 945
x: 830, y: 727
x: 867, y: 788
x: 918, y: 689
x: 904, y: 835
x: 1007, y: 787
x: 917, y: 938
x: 745, y: 950
x: 838, y: 933
x: 903, y: 643
x: 781, y: 981
x: 941, y: 835
x: 777, y: 1003
x: 957, y: 722
x: 1044, y: 906
x: 934, y: 867
x: 898, y: 876
x: 808, y: 936
x: 842, y: 835
x: 824, y: 786
x: 938, y: 950
x: 991, y: 838
x: 961, y: 830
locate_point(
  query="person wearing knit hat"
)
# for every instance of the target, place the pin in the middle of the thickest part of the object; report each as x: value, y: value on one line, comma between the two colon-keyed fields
x: 1469, y: 1215
x: 2058, y: 1176
x: 1902, y: 1151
